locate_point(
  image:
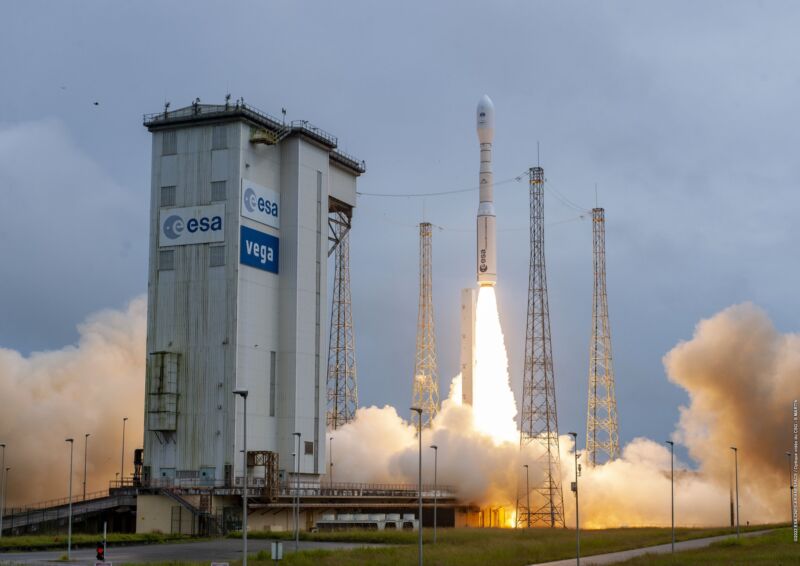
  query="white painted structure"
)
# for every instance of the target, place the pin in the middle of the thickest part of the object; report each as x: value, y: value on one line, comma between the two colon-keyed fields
x: 237, y: 290
x: 469, y: 299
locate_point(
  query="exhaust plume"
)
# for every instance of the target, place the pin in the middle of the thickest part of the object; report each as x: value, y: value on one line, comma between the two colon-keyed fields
x: 86, y: 388
x: 740, y: 374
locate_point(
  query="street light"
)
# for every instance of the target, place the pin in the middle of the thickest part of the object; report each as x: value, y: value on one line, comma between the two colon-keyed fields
x: 122, y: 464
x: 243, y: 394
x: 791, y: 489
x: 736, y: 464
x: 330, y: 459
x: 574, y: 436
x: 672, y: 487
x: 435, y: 484
x: 3, y: 485
x: 297, y: 495
x: 69, y: 521
x: 527, y: 494
x: 419, y: 433
x: 85, y: 451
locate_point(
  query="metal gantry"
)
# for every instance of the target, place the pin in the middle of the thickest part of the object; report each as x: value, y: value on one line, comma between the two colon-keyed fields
x: 539, y: 419
x: 342, y: 385
x: 602, y: 431
x: 426, y: 368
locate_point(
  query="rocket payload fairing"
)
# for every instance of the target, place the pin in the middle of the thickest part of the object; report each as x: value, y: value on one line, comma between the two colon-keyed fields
x: 487, y: 233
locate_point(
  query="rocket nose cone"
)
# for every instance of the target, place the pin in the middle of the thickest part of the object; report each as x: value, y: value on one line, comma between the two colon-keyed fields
x: 485, y: 119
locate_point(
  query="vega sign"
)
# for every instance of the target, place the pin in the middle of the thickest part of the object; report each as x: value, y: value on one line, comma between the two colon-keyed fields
x: 258, y: 250
x: 191, y: 225
x: 261, y: 204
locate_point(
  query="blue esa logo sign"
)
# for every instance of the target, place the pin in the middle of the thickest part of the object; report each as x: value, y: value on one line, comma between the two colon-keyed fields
x: 175, y: 225
x: 261, y: 204
x: 192, y: 225
x: 258, y: 250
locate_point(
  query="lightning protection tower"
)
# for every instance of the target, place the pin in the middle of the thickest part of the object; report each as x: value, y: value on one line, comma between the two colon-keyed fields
x: 426, y: 368
x: 602, y: 433
x: 539, y: 420
x: 342, y: 384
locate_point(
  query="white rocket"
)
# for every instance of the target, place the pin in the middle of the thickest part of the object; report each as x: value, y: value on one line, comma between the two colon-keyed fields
x: 487, y: 233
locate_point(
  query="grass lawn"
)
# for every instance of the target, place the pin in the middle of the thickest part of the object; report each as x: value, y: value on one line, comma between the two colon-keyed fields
x: 773, y: 548
x: 476, y: 546
x: 44, y: 542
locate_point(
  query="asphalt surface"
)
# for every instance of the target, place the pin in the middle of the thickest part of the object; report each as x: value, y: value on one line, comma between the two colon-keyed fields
x: 221, y: 550
x: 614, y: 557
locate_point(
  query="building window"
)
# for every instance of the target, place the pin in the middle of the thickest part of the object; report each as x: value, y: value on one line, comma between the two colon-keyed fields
x: 168, y: 196
x: 216, y: 256
x: 219, y: 137
x: 169, y: 143
x: 166, y: 260
x: 309, y: 448
x: 219, y: 191
x: 273, y: 370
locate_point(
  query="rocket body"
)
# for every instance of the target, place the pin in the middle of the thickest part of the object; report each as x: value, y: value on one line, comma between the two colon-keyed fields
x: 487, y: 232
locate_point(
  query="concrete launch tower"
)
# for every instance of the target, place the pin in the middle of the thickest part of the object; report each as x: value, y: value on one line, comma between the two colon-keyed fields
x: 238, y: 291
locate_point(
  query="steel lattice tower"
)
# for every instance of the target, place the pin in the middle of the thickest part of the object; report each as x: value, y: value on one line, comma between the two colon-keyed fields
x: 426, y: 368
x: 602, y: 432
x: 342, y: 385
x: 539, y: 419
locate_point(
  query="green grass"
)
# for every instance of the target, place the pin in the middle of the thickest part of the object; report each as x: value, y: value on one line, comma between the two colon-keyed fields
x: 773, y: 548
x: 474, y: 547
x: 43, y: 542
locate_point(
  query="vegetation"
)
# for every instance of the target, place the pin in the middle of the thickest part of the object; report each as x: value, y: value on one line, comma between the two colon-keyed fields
x: 772, y: 548
x: 475, y: 546
x: 43, y: 542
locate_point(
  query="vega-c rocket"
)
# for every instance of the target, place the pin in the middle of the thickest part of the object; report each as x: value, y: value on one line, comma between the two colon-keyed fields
x: 487, y: 233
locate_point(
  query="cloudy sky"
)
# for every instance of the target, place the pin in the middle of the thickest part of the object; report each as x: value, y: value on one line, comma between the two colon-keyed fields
x: 684, y: 114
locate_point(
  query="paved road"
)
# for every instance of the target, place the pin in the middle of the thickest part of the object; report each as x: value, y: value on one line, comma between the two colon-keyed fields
x: 615, y: 557
x: 221, y: 550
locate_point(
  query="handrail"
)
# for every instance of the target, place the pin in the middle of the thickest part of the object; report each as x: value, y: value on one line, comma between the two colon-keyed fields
x: 63, y: 501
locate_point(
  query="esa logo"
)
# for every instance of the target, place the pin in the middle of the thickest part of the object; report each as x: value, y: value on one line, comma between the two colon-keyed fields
x: 175, y: 225
x: 252, y: 202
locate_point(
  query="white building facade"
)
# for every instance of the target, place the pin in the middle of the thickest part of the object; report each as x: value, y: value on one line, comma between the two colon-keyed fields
x: 237, y: 290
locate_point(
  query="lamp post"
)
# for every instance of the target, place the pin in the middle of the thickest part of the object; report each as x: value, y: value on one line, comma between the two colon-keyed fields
x: 85, y: 451
x: 69, y: 520
x: 297, y: 495
x: 5, y: 485
x: 736, y: 467
x: 574, y: 436
x: 122, y: 461
x: 419, y: 433
x: 2, y: 484
x: 672, y: 487
x: 330, y: 458
x: 791, y: 489
x: 243, y: 394
x: 527, y: 495
x: 435, y: 486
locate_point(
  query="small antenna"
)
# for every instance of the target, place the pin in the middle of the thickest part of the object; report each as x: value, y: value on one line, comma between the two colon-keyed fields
x: 595, y: 196
x: 538, y: 161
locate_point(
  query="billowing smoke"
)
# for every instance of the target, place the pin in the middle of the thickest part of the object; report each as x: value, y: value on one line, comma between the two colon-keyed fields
x: 740, y: 373
x: 741, y: 376
x: 86, y: 388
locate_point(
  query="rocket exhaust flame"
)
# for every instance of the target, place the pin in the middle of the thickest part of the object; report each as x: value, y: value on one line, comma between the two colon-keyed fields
x: 493, y: 405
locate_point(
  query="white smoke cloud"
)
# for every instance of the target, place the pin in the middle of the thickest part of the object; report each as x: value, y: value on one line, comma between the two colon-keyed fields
x: 86, y: 388
x: 740, y: 373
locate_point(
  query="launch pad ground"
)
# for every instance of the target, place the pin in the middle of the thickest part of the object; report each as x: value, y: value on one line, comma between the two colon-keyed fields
x: 454, y: 546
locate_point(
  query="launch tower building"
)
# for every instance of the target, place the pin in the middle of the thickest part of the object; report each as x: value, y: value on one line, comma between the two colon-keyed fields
x: 238, y: 291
